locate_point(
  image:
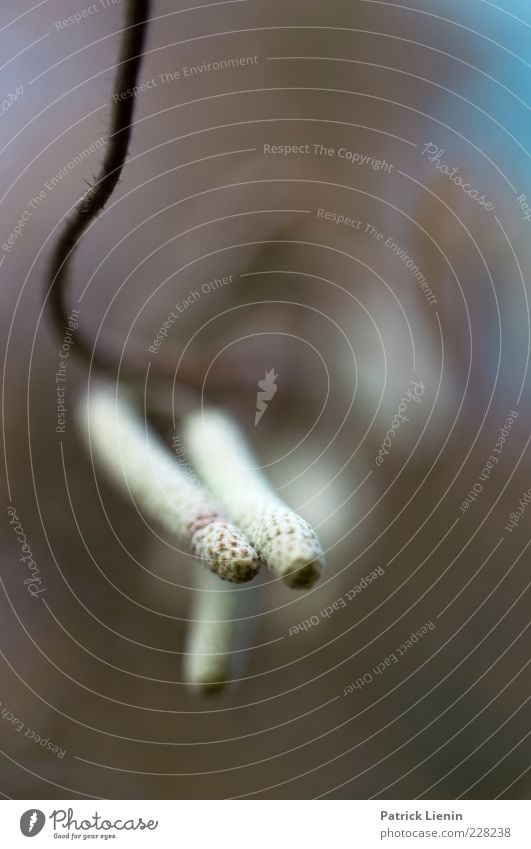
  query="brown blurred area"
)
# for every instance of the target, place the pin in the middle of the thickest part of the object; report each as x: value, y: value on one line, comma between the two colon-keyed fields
x: 93, y: 664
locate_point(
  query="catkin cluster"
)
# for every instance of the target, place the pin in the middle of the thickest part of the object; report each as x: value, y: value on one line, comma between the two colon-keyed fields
x: 231, y: 521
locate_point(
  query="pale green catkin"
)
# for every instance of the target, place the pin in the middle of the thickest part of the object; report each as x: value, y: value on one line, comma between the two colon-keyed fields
x: 284, y: 540
x: 211, y: 658
x: 130, y: 453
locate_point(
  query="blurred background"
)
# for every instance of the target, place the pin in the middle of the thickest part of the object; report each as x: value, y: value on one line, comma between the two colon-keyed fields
x: 358, y: 263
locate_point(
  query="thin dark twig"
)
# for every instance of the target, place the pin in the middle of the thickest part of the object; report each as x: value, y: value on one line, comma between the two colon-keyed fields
x: 94, y: 200
x: 106, y: 358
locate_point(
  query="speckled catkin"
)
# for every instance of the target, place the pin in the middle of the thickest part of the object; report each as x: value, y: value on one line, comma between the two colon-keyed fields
x: 286, y: 542
x: 131, y: 454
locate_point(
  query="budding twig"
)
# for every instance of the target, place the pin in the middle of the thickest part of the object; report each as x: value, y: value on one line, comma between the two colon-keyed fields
x: 285, y: 541
x: 130, y: 453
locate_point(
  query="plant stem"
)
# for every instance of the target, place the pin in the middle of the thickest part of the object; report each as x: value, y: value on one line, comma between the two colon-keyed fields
x: 94, y: 200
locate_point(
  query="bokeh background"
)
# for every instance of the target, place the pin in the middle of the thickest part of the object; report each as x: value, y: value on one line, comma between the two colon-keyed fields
x: 92, y: 664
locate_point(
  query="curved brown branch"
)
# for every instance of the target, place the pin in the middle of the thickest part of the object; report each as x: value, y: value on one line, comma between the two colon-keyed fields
x: 107, y: 357
x: 129, y: 64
